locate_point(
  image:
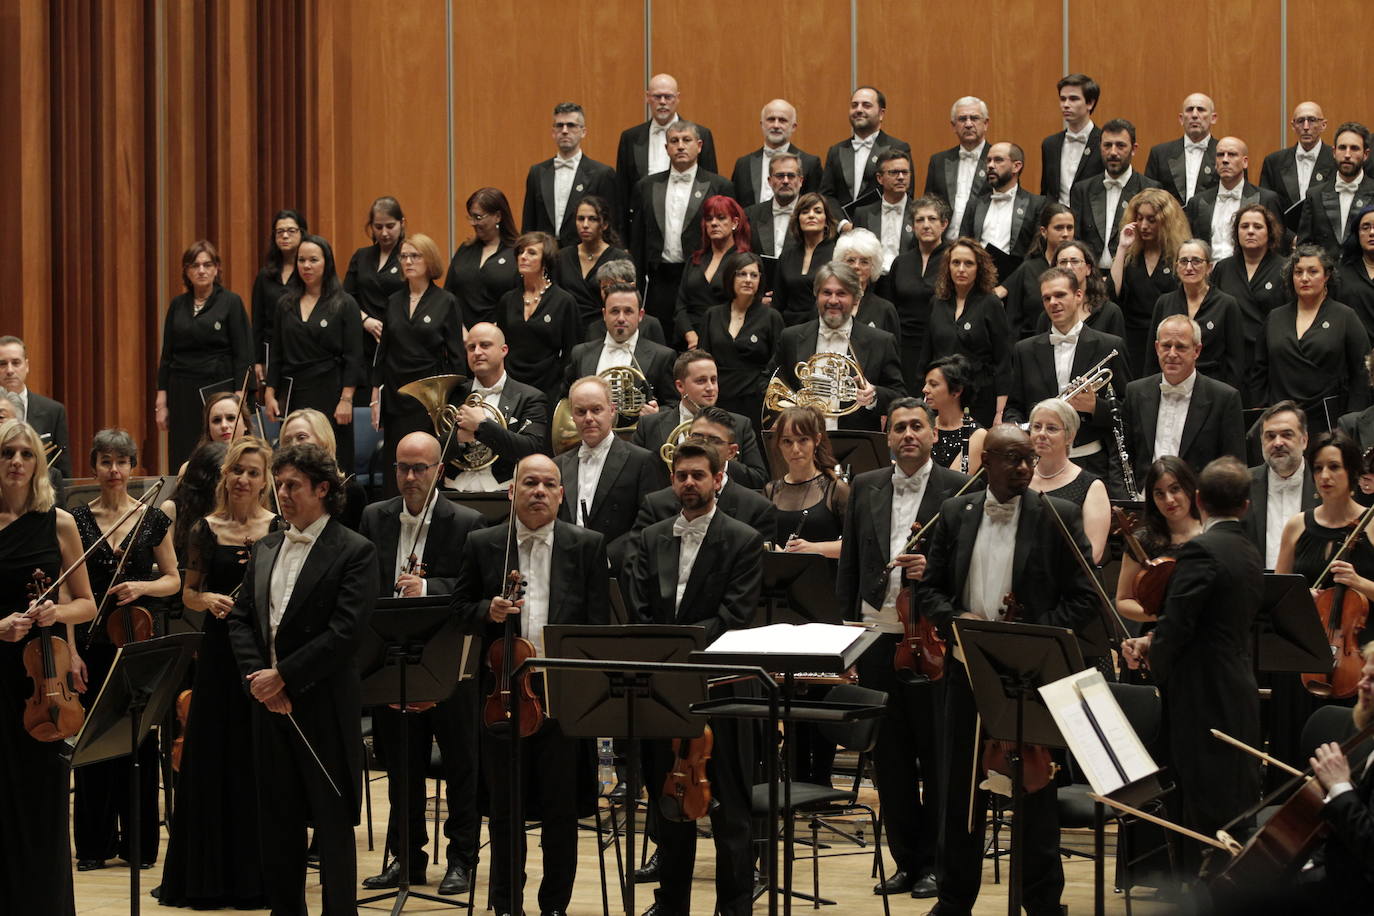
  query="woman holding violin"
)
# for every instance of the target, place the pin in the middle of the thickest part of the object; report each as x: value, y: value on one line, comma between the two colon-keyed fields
x: 1170, y: 520
x: 220, y: 868
x: 35, y: 535
x: 134, y: 561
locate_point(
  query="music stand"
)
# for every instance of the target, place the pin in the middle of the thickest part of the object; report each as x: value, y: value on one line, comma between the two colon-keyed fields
x: 138, y: 692
x: 408, y: 656
x: 494, y: 506
x: 1287, y: 630
x: 797, y: 588
x: 857, y: 450
x: 1007, y: 663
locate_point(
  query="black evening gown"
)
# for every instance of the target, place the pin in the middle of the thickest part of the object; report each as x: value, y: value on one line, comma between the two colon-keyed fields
x: 980, y: 333
x: 479, y: 286
x: 213, y: 854
x: 696, y: 295
x: 1323, y: 371
x: 1223, y: 329
x: 539, y: 346
x: 951, y: 445
x: 35, y: 851
x: 793, y: 293
x: 371, y: 286
x: 267, y: 292
x: 586, y: 291
x: 1357, y: 291
x: 1256, y: 296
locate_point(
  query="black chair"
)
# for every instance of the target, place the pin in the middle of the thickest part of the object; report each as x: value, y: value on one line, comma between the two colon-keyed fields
x: 1326, y: 723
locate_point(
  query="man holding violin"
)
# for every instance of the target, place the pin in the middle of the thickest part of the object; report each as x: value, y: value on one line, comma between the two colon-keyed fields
x: 885, y: 507
x: 564, y: 574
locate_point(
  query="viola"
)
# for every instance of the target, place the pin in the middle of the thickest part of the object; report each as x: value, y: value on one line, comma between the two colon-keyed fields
x: 53, y: 713
x: 1038, y: 767
x: 1152, y: 579
x: 686, y: 789
x: 1343, y: 613
x: 183, y: 711
x: 511, y: 691
x: 129, y: 623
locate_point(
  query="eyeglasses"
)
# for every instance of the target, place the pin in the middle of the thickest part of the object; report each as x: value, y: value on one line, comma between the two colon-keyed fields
x: 1071, y: 262
x: 1191, y: 262
x: 785, y: 176
x: 411, y: 256
x: 478, y: 217
x: 566, y: 125
x: 1014, y: 458
x: 714, y: 440
x: 287, y: 232
x: 405, y: 470
x: 897, y: 172
x: 1308, y: 120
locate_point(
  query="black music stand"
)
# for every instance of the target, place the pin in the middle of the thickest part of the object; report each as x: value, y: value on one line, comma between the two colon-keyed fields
x: 1007, y: 663
x: 412, y: 652
x: 856, y: 450
x: 797, y: 588
x: 1287, y: 630
x: 494, y: 506
x: 138, y: 692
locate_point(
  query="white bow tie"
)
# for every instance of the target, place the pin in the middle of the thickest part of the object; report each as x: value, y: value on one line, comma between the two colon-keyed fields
x: 1113, y: 183
x: 1173, y: 392
x: 564, y: 163
x: 1307, y: 156
x: 1347, y: 187
x: 622, y: 347
x: 1291, y: 482
x: 695, y: 529
x: 999, y: 512
x: 1070, y: 338
x: 1076, y: 138
x: 905, y: 486
x: 483, y: 392
x: 1002, y: 196
x: 862, y: 144
x: 893, y: 208
x: 1228, y: 195
x: 769, y: 152
x: 530, y: 538
x: 968, y: 155
x: 587, y: 451
x: 785, y: 211
x: 1195, y: 147
x: 834, y: 335
x: 682, y: 177
x: 299, y: 537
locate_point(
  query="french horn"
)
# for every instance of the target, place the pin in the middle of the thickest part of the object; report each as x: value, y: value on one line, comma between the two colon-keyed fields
x: 627, y: 399
x: 829, y: 382
x: 433, y: 393
x: 668, y: 449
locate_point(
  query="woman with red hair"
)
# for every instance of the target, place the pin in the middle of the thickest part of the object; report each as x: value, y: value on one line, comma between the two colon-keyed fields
x: 724, y: 229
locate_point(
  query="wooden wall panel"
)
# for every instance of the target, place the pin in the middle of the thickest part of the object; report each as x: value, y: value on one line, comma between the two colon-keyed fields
x: 1231, y: 52
x: 1009, y: 55
x: 795, y: 53
x: 512, y: 64
x: 1328, y: 70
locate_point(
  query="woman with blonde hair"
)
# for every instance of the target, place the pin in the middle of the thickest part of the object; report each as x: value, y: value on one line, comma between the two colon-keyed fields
x: 311, y: 426
x: 1153, y: 228
x: 1053, y: 426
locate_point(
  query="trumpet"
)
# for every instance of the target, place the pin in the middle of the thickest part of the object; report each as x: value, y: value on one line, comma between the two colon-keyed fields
x: 1095, y: 379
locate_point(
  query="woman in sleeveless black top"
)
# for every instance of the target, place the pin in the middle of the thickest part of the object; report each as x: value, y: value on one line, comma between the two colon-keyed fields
x: 35, y: 851
x: 949, y: 388
x: 1053, y: 425
x: 1170, y: 520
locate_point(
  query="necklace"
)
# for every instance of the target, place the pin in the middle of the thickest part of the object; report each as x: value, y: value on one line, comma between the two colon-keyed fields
x: 1051, y: 476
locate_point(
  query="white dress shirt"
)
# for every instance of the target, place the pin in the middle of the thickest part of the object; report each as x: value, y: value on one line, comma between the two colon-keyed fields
x: 564, y: 171
x: 1193, y: 154
x: 691, y: 534
x: 834, y: 340
x: 536, y: 560
x: 24, y: 399
x: 1345, y: 190
x: 1070, y: 157
x: 590, y: 460
x: 907, y: 493
x: 658, y: 145
x: 1114, y: 188
x: 782, y: 218
x: 483, y: 481
x: 863, y: 151
x: 675, y: 212
x: 1228, y: 202
x: 616, y: 354
x: 890, y: 231
x: 409, y: 525
x: 1306, y: 161
x: 291, y: 557
x: 1173, y: 413
x: 997, y: 222
x: 994, y: 549
x: 968, y: 170
x: 1064, y: 346
x: 1285, y: 501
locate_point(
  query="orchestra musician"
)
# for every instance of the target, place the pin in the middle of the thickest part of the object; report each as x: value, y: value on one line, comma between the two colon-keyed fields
x: 1281, y: 486
x: 949, y: 388
x: 987, y: 547
x: 624, y: 344
x: 1169, y: 520
x: 701, y: 567
x: 35, y: 780
x: 564, y: 572
x: 306, y: 598
x: 434, y: 532
x: 883, y: 506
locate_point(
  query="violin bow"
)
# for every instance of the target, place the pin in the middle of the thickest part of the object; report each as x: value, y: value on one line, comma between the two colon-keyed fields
x: 1365, y: 517
x: 238, y: 414
x: 119, y: 567
x: 412, y: 560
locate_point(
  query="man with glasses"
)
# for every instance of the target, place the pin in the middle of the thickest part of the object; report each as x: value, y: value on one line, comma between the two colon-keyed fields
x: 428, y: 526
x: 1211, y: 212
x: 769, y: 219
x: 750, y: 178
x: 889, y: 217
x: 1292, y: 172
x: 1097, y: 204
x: 555, y: 186
x: 642, y: 151
x: 992, y: 549
x: 960, y: 172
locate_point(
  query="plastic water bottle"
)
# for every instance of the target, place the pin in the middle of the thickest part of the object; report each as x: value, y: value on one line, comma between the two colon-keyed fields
x: 605, y: 764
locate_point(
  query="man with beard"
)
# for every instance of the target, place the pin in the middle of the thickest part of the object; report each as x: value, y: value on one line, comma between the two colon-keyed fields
x: 623, y: 344
x: 1326, y: 212
x: 1006, y: 217
x: 1098, y: 203
x: 1183, y: 167
x: 1282, y: 486
x: 1211, y: 212
x: 750, y: 178
x: 850, y: 165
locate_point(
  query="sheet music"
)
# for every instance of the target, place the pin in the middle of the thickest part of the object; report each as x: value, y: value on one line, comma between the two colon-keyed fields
x: 788, y: 639
x: 1084, y: 700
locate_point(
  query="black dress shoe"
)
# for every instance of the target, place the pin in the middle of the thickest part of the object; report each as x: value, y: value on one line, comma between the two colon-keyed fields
x: 899, y: 883
x: 89, y: 864
x: 457, y: 880
x: 652, y: 910
x: 391, y: 877
x: 925, y: 886
x: 649, y: 873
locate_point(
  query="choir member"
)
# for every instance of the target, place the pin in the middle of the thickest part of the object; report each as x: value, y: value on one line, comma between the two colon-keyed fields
x: 724, y: 231
x: 555, y: 188
x: 769, y: 219
x: 1183, y: 167
x: 642, y: 151
x: 374, y: 272
x: 910, y: 284
x: 811, y: 236
x: 778, y: 121
x: 35, y: 852
x: 223, y: 418
x: 1073, y: 154
x: 1357, y: 268
x: 1005, y: 217
x: 1216, y: 312
x: 1099, y: 204
x: 1327, y: 210
x: 1282, y: 486
x: 47, y: 417
x: 1291, y: 172
x: 1099, y: 312
x: 1053, y: 424
x: 860, y: 250
x: 483, y: 268
x: 950, y: 386
x: 288, y: 228
x: 1020, y: 290
x: 611, y: 274
x: 849, y: 178
x: 206, y: 346
x: 1211, y: 213
x: 538, y: 317
x: 889, y: 216
x: 1253, y: 276
x: 959, y: 173
x: 1152, y: 229
x: 742, y: 335
x: 579, y: 265
x: 1169, y: 519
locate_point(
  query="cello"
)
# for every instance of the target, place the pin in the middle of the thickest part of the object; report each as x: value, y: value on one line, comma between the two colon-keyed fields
x: 1343, y: 613
x: 1152, y: 579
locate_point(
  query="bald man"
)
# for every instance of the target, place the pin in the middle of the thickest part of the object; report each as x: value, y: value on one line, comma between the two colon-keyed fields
x: 524, y: 408
x: 643, y: 149
x: 1186, y: 166
x: 1292, y: 172
x: 435, y: 529
x: 778, y: 121
x: 1211, y: 213
x: 564, y: 568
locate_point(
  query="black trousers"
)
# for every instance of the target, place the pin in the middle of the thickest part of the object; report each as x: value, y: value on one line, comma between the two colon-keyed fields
x: 961, y: 865
x: 453, y: 724
x: 292, y: 792
x: 907, y: 759
x: 660, y: 296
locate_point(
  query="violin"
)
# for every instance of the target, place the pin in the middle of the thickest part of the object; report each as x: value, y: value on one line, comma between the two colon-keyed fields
x: 686, y: 790
x: 1038, y: 767
x: 1152, y: 580
x: 183, y: 710
x: 1343, y: 613
x: 53, y: 713
x: 128, y: 623
x: 512, y: 691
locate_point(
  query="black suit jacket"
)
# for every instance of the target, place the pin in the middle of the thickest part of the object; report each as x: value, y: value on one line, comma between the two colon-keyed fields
x: 1256, y: 515
x: 654, y: 359
x: 316, y: 641
x: 870, y: 217
x: 1033, y: 379
x: 49, y: 420
x: 592, y: 178
x: 1025, y: 225
x: 837, y: 178
x: 1279, y: 174
x: 1214, y: 425
x: 1358, y: 425
x: 942, y: 174
x: 749, y: 171
x: 1168, y: 166
x: 1204, y: 203
x: 632, y: 158
x: 652, y: 431
x: 1349, y: 847
x: 735, y: 500
x: 527, y: 426
x: 449, y: 527
x: 1088, y: 201
x: 1088, y: 165
x: 647, y: 202
x: 722, y: 590
x: 865, y: 548
x: 875, y: 351
x: 1321, y: 214
x: 629, y: 475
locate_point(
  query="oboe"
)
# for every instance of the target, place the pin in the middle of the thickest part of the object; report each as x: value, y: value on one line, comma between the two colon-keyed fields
x: 1118, y: 431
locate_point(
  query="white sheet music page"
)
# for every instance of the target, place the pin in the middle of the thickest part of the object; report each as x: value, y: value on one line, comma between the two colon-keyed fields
x: 788, y: 639
x: 1092, y: 721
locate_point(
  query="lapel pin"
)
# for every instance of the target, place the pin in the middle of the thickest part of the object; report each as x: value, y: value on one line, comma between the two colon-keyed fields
x: 500, y: 260
x: 579, y: 187
x: 1326, y: 325
x: 1359, y: 203
x: 1020, y: 211
x: 1211, y: 326
x: 426, y: 319
x: 967, y: 326
x: 1318, y: 176
x: 217, y: 325
x: 324, y: 322
x: 697, y: 194
x: 1166, y: 270
x: 873, y: 158
x: 548, y: 318
x: 394, y: 269
x: 1207, y: 170
x: 968, y: 506
x: 872, y: 324
x: 753, y: 338
x: 1269, y: 285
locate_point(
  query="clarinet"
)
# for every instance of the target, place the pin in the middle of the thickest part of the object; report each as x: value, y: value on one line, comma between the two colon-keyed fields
x: 1118, y: 431
x: 969, y: 427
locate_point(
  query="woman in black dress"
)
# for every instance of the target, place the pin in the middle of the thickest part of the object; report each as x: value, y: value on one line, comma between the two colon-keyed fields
x: 288, y: 228
x: 861, y: 250
x: 1170, y: 520
x: 1099, y: 312
x: 810, y: 243
x: 205, y: 340
x: 1152, y: 229
x: 949, y: 387
x: 422, y: 336
x: 910, y: 284
x: 483, y: 267
x: 374, y: 273
x: 967, y: 318
x: 724, y: 231
x: 101, y: 800
x: 1357, y: 269
x: 742, y: 336
x: 1253, y: 276
x: 35, y: 776
x: 1053, y: 426
x: 1020, y: 290
x: 319, y: 347
x: 597, y: 243
x: 220, y: 867
x: 195, y: 494
x: 1216, y: 312
x: 1313, y: 350
x: 538, y: 317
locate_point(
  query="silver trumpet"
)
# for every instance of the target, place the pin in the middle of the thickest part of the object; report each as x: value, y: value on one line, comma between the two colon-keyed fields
x: 1095, y: 379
